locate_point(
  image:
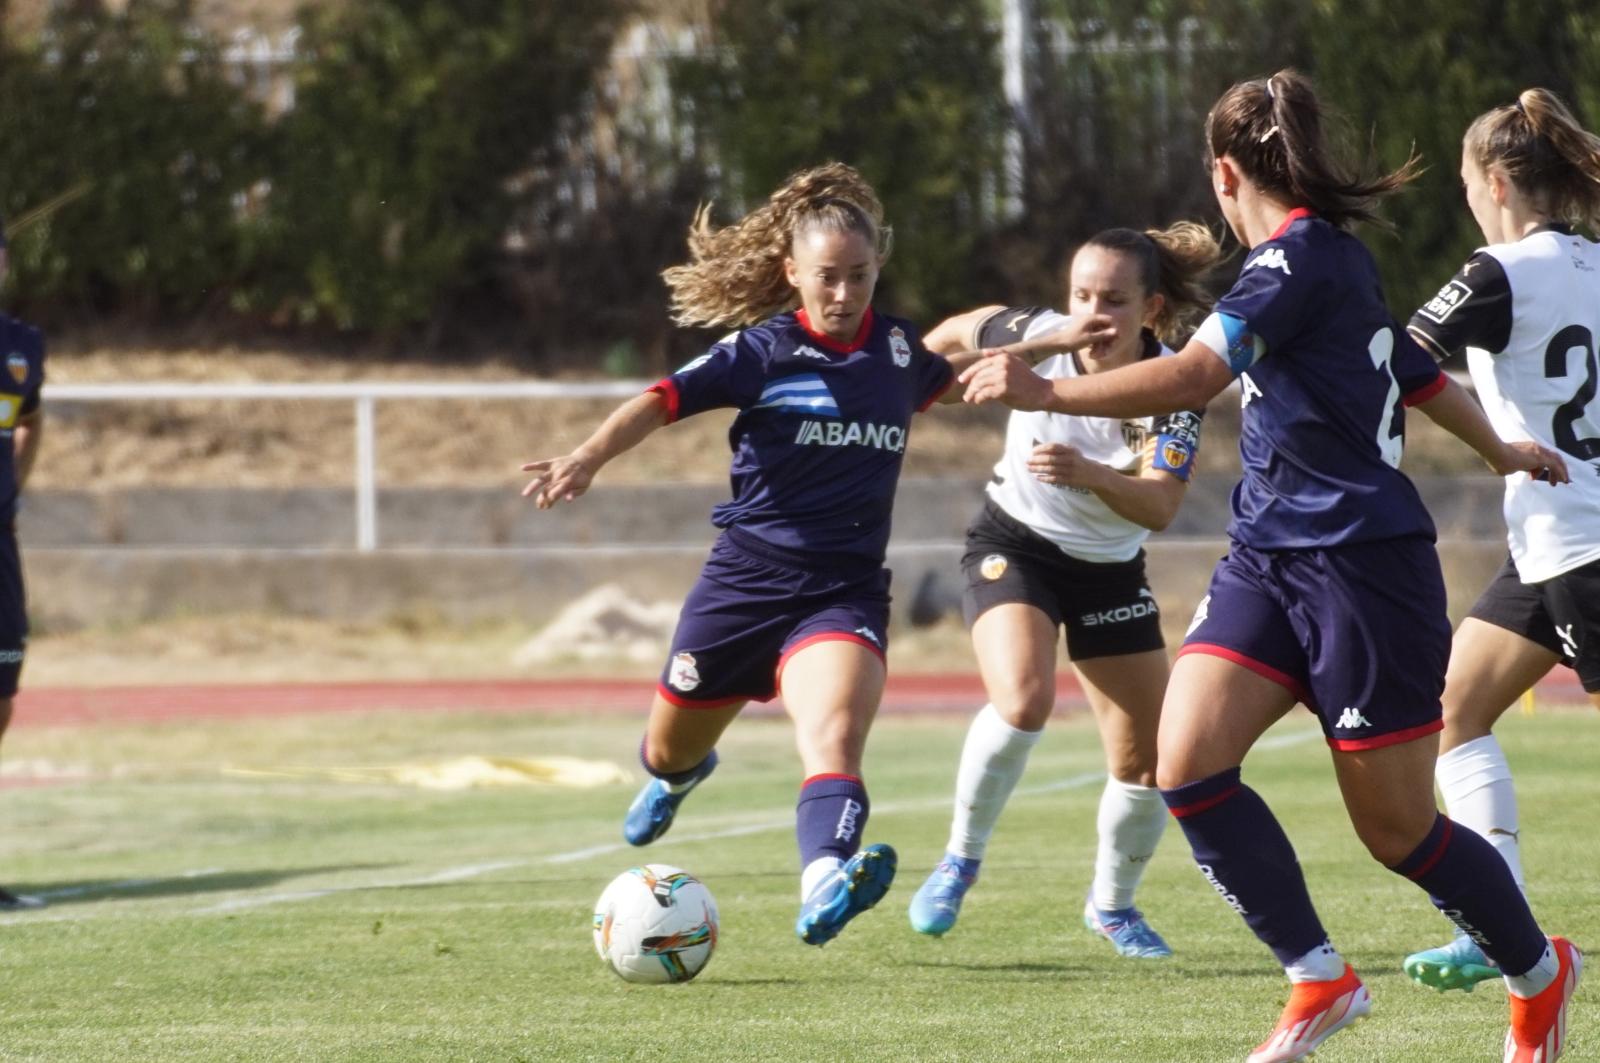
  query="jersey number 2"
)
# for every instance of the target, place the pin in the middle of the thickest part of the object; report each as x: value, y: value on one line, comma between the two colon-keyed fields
x: 1390, y: 442
x: 1568, y: 415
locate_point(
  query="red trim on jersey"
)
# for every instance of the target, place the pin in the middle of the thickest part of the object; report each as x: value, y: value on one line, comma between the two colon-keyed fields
x: 669, y: 391
x: 823, y: 636
x: 1294, y: 215
x: 826, y: 775
x: 1393, y: 738
x: 937, y: 395
x: 1437, y: 854
x: 1209, y: 802
x: 829, y: 342
x: 1425, y: 392
x: 686, y: 703
x: 1266, y: 671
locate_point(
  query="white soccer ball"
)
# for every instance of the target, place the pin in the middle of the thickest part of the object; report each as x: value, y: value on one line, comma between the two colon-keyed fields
x: 655, y: 924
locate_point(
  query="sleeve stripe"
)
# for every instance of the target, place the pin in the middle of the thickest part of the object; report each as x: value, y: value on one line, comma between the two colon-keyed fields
x: 669, y: 391
x: 1426, y: 391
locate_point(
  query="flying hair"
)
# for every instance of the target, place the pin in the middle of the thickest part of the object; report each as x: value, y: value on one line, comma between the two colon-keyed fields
x: 1272, y: 128
x: 1172, y: 262
x: 735, y: 275
x: 1544, y: 150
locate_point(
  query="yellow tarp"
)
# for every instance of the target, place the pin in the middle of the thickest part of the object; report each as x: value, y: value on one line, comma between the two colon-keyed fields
x: 457, y: 773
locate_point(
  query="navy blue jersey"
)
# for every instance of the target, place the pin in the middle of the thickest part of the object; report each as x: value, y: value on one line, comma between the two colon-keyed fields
x: 822, y: 427
x: 22, y: 347
x: 1326, y: 373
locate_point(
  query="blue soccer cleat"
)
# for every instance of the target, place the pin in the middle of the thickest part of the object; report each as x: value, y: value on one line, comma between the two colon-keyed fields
x: 1127, y: 931
x: 935, y: 906
x: 651, y: 812
x: 845, y: 894
x: 1458, y: 965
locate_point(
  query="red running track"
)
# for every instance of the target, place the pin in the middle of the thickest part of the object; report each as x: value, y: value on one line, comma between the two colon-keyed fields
x: 75, y: 706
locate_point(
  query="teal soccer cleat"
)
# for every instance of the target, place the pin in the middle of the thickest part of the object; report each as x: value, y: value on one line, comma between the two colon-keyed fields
x: 651, y: 812
x: 1458, y: 965
x: 936, y: 905
x: 845, y: 894
x: 1127, y: 931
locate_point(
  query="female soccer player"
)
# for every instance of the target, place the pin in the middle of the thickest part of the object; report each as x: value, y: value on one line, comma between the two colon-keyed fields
x: 1526, y: 309
x: 794, y: 599
x: 21, y: 420
x: 1331, y: 592
x: 1058, y: 544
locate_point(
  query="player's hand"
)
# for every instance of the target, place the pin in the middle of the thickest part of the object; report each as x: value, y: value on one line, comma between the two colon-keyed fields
x: 1536, y: 460
x: 556, y: 480
x: 1001, y: 376
x: 1064, y: 466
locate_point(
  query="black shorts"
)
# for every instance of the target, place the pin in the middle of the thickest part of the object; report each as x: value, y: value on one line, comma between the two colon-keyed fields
x: 13, y: 614
x: 1562, y: 614
x: 1106, y: 606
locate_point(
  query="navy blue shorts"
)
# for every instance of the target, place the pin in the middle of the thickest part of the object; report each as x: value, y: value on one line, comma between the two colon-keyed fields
x: 754, y: 606
x: 1357, y: 633
x: 13, y: 614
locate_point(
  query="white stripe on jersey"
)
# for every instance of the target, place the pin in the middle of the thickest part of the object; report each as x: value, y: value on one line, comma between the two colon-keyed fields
x: 805, y: 391
x: 1531, y: 390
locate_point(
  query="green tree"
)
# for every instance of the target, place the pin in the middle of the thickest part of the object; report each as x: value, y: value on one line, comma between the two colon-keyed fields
x: 906, y: 91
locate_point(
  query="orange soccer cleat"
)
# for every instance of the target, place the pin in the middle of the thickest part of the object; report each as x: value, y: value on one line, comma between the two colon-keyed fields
x: 1315, y: 1012
x: 1539, y: 1024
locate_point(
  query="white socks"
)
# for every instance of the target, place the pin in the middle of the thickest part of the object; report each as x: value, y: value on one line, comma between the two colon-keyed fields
x: 1132, y: 818
x: 1535, y: 979
x: 815, y: 872
x: 1478, y: 793
x: 991, y: 763
x: 1321, y: 964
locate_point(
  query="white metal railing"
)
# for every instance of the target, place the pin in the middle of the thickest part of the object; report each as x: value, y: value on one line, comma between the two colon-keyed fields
x: 365, y: 397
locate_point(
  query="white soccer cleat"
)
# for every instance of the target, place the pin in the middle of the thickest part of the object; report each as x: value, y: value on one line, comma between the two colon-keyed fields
x: 1315, y: 1012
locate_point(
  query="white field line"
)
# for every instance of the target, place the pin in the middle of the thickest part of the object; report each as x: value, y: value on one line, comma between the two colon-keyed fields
x: 464, y: 872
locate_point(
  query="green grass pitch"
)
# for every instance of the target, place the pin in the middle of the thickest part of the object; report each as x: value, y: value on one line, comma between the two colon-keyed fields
x: 201, y: 916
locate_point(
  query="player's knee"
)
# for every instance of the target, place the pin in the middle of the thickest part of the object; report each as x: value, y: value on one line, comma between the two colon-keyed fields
x: 1026, y: 706
x: 1391, y: 839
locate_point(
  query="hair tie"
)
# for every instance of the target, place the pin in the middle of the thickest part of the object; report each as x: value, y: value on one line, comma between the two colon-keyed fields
x: 1270, y: 94
x: 1523, y: 111
x: 1267, y: 135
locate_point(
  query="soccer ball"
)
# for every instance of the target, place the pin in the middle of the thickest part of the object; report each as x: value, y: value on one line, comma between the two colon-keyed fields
x: 655, y: 924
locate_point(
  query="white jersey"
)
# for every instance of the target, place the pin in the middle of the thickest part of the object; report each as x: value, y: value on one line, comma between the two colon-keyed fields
x: 1074, y: 518
x: 1528, y: 315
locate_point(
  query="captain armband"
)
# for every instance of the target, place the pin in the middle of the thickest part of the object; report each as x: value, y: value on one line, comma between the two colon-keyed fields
x: 1231, y: 340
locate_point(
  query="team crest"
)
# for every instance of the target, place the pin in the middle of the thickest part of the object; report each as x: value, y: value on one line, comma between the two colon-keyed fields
x: 17, y: 364
x: 683, y: 675
x: 899, y: 347
x: 1174, y: 453
x: 993, y: 567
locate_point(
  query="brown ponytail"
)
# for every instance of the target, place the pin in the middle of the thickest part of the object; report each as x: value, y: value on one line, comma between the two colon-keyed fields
x: 1272, y: 128
x: 1544, y: 150
x: 1171, y: 262
x: 735, y: 275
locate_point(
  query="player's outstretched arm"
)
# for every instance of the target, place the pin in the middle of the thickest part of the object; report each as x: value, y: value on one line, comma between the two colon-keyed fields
x: 1455, y: 411
x: 1186, y: 381
x: 1150, y: 499
x: 564, y: 479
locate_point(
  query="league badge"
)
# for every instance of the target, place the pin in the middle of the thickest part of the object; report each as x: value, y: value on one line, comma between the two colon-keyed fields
x: 899, y: 347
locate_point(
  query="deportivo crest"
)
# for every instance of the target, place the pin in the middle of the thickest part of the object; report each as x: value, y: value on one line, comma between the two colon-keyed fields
x: 683, y: 675
x: 993, y: 567
x: 17, y: 365
x: 899, y: 347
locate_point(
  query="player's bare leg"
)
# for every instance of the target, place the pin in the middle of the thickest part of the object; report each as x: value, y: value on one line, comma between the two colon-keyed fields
x: 679, y: 751
x: 1015, y: 644
x: 831, y: 689
x: 13, y: 902
x: 1490, y: 669
x: 1125, y: 693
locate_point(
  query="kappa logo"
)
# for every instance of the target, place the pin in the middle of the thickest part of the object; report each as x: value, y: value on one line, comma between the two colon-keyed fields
x: 870, y: 635
x: 993, y: 567
x: 1271, y: 258
x: 1442, y: 305
x: 804, y: 351
x: 698, y: 362
x: 1569, y: 641
x: 898, y: 347
x: 684, y: 674
x: 1201, y: 611
x: 1351, y: 718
